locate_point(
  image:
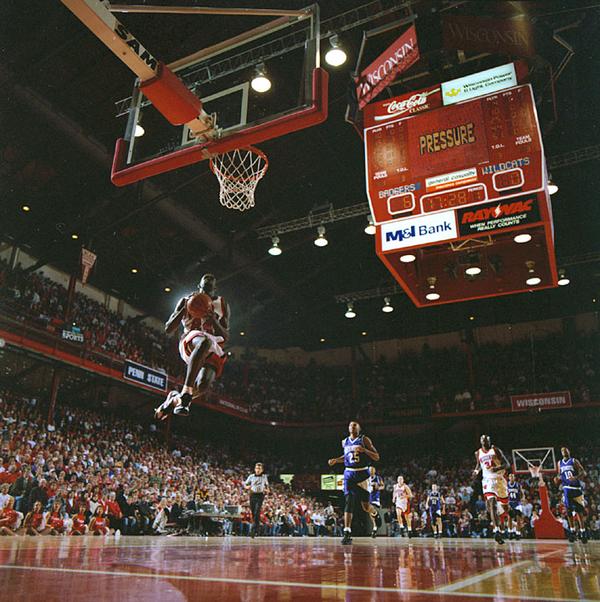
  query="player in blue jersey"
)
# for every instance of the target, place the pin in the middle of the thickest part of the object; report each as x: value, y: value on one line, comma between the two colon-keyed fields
x: 358, y: 452
x: 570, y: 472
x: 436, y: 504
x: 515, y: 499
x: 375, y: 485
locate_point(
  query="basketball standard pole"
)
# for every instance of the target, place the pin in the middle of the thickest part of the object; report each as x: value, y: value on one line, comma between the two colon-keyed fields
x: 159, y: 84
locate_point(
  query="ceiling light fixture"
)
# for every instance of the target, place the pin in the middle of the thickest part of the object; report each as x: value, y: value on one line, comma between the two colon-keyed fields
x: 134, y: 270
x: 139, y: 131
x: 350, y: 313
x: 562, y: 278
x: 167, y: 289
x: 387, y: 305
x: 552, y: 186
x: 408, y: 258
x: 74, y: 236
x: 335, y: 56
x: 321, y: 241
x: 533, y: 280
x: 473, y: 270
x: 275, y: 249
x: 260, y: 82
x: 522, y: 238
x: 370, y: 228
x: 26, y: 208
x: 432, y: 295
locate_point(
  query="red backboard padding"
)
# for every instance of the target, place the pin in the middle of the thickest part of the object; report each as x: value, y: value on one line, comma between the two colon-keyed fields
x: 171, y: 97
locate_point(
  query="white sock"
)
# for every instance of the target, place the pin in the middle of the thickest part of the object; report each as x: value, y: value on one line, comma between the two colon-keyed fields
x: 347, y: 530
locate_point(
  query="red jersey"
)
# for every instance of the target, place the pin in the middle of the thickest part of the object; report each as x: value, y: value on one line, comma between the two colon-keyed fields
x: 56, y: 522
x: 9, y: 518
x: 36, y: 520
x: 79, y: 523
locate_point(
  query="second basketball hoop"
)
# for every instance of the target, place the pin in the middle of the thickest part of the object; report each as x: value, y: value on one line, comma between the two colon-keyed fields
x: 238, y: 172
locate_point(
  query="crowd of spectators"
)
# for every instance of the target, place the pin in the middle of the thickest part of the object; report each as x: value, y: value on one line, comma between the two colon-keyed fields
x: 100, y: 474
x: 427, y: 382
x: 91, y: 466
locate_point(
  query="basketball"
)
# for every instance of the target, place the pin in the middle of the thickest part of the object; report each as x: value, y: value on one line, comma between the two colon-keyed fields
x: 199, y: 305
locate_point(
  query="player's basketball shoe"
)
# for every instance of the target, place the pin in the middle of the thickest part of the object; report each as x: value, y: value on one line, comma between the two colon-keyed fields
x: 583, y: 536
x: 498, y: 537
x: 347, y: 539
x: 183, y: 407
x: 167, y: 406
x: 571, y: 536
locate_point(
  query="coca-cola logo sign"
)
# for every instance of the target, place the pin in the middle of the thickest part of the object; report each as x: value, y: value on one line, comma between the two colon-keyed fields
x: 415, y: 103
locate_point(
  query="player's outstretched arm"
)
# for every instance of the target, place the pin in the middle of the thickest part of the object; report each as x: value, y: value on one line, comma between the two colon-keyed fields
x: 175, y: 318
x: 370, y: 450
x: 477, y: 468
x: 333, y: 461
x: 504, y: 465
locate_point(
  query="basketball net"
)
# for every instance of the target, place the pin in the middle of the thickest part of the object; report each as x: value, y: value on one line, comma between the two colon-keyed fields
x: 536, y: 472
x: 238, y: 172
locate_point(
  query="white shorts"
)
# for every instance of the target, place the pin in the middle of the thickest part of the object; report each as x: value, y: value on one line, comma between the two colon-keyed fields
x: 186, y: 348
x: 495, y: 487
x: 403, y: 505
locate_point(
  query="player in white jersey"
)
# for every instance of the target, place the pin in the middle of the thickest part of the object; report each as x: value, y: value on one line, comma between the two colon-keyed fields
x: 200, y: 348
x: 492, y: 463
x: 401, y: 497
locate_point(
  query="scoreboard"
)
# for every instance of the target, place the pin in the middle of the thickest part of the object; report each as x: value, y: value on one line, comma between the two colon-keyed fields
x: 453, y: 156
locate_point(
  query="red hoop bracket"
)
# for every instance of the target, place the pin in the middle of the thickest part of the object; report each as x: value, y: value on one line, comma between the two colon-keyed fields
x: 316, y: 113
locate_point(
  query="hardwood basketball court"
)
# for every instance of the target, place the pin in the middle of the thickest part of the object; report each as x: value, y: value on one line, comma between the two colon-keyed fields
x: 185, y: 568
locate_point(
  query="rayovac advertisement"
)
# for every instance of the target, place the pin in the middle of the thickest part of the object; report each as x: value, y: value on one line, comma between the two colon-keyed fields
x: 490, y: 146
x: 489, y: 217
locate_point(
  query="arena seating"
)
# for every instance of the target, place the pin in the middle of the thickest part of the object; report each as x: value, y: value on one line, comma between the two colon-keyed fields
x: 90, y: 459
x: 282, y: 392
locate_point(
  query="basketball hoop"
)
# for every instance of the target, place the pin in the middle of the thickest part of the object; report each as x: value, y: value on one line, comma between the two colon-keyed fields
x: 536, y: 473
x: 238, y: 172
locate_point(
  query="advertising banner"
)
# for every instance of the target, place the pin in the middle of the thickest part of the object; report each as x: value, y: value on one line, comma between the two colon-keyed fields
x: 403, y: 53
x: 484, y: 34
x: 479, y: 84
x: 404, y: 105
x: 88, y: 259
x: 73, y: 336
x: 498, y: 215
x: 418, y: 231
x: 144, y: 375
x: 542, y: 401
x: 489, y: 147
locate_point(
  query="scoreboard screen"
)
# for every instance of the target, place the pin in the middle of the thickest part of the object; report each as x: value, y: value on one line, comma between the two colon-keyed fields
x: 454, y: 156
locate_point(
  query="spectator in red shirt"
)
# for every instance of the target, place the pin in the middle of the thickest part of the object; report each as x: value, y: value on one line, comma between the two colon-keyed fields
x: 9, y: 518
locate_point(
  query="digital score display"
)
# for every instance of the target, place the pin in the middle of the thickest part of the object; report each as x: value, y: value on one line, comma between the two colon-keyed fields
x: 451, y: 199
x: 489, y: 148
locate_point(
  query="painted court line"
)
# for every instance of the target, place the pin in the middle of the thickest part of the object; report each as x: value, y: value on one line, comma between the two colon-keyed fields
x: 501, y: 570
x: 327, y: 586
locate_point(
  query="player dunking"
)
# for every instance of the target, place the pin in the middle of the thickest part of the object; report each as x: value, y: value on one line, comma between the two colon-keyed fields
x: 437, y: 506
x: 200, y: 348
x: 401, y: 497
x: 571, y: 471
x: 492, y: 463
x: 358, y: 450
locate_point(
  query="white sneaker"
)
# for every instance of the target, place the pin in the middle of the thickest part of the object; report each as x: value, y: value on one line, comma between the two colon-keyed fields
x: 167, y: 406
x: 117, y: 533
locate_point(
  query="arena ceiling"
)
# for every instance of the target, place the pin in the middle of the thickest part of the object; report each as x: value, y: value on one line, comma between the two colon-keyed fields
x: 58, y: 128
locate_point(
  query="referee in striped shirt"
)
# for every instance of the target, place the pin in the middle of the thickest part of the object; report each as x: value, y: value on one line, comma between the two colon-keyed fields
x: 258, y: 485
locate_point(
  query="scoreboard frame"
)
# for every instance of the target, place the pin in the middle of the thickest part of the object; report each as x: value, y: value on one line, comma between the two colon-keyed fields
x: 513, y: 176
